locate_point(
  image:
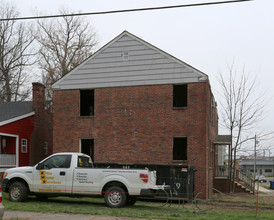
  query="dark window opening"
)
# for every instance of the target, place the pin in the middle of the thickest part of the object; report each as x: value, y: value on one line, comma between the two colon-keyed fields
x: 180, y: 95
x: 84, y: 162
x: 87, y: 147
x: 86, y: 102
x: 180, y: 148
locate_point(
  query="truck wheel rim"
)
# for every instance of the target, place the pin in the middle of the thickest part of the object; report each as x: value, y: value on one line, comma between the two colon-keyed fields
x: 15, y: 192
x: 114, y: 198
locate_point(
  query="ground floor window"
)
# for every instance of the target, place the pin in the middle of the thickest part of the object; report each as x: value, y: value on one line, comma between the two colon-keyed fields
x: 179, y: 148
x: 268, y: 170
x: 87, y: 147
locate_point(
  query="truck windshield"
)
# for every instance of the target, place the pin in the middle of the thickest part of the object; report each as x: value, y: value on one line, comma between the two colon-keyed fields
x: 84, y: 162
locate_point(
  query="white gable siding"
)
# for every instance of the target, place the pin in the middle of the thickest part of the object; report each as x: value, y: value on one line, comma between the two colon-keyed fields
x: 146, y: 65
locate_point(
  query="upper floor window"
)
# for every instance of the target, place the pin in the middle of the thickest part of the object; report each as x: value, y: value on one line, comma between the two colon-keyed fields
x: 86, y: 102
x: 24, y: 145
x: 180, y: 95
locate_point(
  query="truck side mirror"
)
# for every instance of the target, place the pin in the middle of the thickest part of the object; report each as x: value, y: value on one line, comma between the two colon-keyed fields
x: 40, y: 166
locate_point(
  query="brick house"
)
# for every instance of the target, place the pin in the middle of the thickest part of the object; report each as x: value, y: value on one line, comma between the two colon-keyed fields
x: 133, y: 103
x: 25, y: 131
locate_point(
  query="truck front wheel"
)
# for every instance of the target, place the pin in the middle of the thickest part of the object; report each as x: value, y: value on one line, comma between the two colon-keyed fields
x: 115, y: 197
x: 18, y: 192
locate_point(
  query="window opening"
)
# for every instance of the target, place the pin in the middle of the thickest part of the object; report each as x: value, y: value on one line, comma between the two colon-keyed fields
x: 180, y: 95
x: 45, y: 148
x: 86, y: 102
x: 84, y: 162
x: 87, y: 147
x: 180, y: 148
x: 24, y: 145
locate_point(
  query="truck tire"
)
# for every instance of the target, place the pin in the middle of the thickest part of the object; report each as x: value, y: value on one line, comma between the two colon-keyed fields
x: 115, y: 197
x: 18, y: 192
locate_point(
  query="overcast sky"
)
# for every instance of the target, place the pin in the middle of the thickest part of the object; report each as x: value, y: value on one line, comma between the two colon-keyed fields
x: 207, y: 37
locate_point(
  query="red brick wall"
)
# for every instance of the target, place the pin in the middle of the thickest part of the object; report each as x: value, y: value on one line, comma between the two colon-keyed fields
x: 137, y: 125
x: 222, y: 185
x: 212, y: 124
x: 42, y: 125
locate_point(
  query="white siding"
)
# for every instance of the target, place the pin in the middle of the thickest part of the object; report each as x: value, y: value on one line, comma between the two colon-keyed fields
x: 146, y: 65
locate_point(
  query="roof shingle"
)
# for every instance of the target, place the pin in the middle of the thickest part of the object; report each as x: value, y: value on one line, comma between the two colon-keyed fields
x: 9, y: 110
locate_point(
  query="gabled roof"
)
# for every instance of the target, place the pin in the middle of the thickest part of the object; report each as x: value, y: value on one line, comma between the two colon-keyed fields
x: 129, y: 61
x: 13, y: 111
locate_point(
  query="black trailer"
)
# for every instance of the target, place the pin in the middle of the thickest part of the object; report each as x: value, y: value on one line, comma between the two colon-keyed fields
x: 180, y: 178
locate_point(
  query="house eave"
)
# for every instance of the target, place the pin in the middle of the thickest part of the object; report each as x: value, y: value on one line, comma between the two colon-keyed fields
x: 16, y: 118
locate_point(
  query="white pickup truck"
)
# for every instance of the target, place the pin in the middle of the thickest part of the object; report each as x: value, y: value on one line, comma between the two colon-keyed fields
x: 72, y: 174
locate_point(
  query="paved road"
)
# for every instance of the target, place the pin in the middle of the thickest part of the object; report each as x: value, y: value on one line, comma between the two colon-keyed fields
x: 266, y: 192
x: 18, y: 215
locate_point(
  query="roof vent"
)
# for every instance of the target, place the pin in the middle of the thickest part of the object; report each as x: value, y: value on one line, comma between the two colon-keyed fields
x: 125, y: 56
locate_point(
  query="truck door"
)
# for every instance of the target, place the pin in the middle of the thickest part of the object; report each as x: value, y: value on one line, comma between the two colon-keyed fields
x: 53, y: 175
x: 85, y: 177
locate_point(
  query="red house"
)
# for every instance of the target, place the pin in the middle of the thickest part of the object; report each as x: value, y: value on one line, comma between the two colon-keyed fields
x: 25, y: 131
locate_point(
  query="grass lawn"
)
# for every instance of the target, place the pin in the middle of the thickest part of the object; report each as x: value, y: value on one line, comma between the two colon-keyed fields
x: 224, y: 207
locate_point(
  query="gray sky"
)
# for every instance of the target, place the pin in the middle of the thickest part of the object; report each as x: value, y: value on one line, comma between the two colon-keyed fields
x: 207, y: 37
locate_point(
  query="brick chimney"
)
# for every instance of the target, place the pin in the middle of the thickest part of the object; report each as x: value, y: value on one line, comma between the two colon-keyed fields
x: 38, y: 135
x: 38, y: 96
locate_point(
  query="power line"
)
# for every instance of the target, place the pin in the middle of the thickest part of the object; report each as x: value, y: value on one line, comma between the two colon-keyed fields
x: 124, y: 10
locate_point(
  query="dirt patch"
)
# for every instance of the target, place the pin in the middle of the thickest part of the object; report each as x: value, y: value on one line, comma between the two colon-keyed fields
x: 240, y: 202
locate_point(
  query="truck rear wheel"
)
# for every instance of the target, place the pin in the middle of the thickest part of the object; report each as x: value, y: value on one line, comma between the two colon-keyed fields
x: 18, y: 192
x: 115, y: 197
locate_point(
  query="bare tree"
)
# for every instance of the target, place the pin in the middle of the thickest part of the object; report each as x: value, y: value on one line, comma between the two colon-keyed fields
x: 64, y: 44
x: 15, y: 55
x: 241, y: 109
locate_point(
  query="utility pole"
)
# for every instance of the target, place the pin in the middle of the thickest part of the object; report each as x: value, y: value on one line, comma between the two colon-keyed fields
x: 255, y: 155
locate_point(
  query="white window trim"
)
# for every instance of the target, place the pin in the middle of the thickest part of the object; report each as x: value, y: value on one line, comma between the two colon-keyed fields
x: 22, y: 146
